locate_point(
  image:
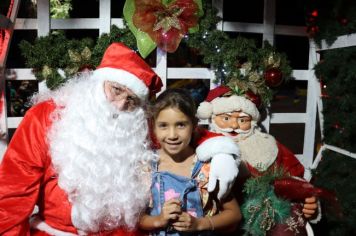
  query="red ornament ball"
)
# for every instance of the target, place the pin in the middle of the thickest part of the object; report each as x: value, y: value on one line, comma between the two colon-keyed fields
x: 273, y: 77
x: 343, y: 21
x: 255, y: 98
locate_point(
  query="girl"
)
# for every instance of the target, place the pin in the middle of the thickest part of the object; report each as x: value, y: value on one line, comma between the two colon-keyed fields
x: 180, y: 202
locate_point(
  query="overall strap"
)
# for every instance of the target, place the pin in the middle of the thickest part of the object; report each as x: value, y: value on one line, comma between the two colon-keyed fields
x: 192, y: 184
x: 198, y: 165
x: 154, y: 165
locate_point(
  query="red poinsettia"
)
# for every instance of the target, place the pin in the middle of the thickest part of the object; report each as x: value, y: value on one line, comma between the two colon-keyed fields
x: 166, y: 25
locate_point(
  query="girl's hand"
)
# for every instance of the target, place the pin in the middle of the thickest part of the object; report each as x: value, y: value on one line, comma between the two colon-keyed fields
x: 186, y: 222
x: 170, y: 211
x: 310, y: 207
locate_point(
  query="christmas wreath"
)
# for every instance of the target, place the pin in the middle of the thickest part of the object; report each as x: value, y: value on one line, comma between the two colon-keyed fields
x: 262, y: 209
x: 269, y: 200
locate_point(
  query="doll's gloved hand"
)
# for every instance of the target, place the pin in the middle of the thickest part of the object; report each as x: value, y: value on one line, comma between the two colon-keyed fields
x: 223, y: 167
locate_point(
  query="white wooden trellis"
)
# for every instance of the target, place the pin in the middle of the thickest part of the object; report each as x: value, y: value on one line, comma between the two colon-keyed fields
x: 341, y: 42
x: 43, y: 24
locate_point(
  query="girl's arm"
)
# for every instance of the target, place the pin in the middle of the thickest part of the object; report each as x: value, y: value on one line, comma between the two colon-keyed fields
x: 170, y: 211
x: 227, y: 219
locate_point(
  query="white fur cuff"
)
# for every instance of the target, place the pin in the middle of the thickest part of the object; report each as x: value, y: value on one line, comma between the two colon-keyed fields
x: 222, y: 105
x: 216, y: 145
x: 318, y: 217
x: 124, y: 78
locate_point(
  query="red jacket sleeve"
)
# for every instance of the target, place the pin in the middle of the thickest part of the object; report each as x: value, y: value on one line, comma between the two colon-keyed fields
x: 21, y: 170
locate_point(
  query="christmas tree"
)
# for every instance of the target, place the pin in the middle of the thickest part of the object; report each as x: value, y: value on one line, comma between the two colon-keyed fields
x: 336, y: 71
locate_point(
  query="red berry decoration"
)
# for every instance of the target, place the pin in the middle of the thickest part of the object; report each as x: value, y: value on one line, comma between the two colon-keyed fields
x: 273, y: 77
x: 343, y: 21
x: 256, y: 99
x: 315, y: 13
x: 312, y: 30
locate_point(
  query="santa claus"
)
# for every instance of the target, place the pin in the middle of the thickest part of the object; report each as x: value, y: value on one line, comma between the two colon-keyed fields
x: 237, y: 117
x: 82, y: 154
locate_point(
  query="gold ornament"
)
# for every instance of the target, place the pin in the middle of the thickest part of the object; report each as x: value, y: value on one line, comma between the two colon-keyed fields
x: 166, y: 22
x: 273, y: 60
x: 86, y: 54
x: 247, y: 66
x: 254, y: 76
x: 74, y: 56
x: 46, y: 71
x: 77, y: 60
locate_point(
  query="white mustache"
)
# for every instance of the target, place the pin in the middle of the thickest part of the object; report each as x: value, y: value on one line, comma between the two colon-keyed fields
x: 239, y: 131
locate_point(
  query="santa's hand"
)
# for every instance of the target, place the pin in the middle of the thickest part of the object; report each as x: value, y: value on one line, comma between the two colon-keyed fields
x: 310, y: 207
x: 223, y: 167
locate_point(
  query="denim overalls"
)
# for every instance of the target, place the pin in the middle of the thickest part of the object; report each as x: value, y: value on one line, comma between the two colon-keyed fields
x: 166, y: 185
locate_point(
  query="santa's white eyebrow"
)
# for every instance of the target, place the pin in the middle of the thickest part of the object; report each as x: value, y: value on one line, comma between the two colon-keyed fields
x: 230, y: 113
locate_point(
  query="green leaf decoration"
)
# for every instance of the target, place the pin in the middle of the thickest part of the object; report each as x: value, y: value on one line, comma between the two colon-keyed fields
x: 145, y: 44
x: 262, y: 209
x: 195, y: 29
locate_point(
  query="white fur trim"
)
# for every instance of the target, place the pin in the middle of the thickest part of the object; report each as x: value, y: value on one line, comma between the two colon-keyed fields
x: 205, y: 110
x: 123, y: 77
x: 233, y: 103
x: 37, y: 223
x: 216, y: 145
x: 318, y: 217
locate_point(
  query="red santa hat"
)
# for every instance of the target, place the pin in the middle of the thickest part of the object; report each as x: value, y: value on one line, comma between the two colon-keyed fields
x: 216, y: 104
x: 122, y: 65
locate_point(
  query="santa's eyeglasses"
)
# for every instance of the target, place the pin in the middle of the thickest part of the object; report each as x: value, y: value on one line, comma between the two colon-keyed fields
x: 119, y: 92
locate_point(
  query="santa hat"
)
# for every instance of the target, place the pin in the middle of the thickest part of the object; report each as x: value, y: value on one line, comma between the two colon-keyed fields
x: 122, y: 65
x: 216, y: 104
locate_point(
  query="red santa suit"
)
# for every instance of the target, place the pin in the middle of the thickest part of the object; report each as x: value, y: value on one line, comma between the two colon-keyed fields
x: 27, y: 173
x: 31, y: 177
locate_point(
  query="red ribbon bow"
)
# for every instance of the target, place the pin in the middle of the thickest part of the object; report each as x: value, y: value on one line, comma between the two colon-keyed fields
x: 166, y: 25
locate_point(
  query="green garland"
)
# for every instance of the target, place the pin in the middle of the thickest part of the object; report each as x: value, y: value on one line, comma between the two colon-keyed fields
x: 227, y: 56
x: 328, y: 19
x: 337, y: 73
x: 49, y: 55
x: 262, y: 209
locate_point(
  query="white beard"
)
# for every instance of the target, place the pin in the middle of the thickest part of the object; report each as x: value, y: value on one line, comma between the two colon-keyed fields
x: 259, y: 149
x: 101, y: 157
